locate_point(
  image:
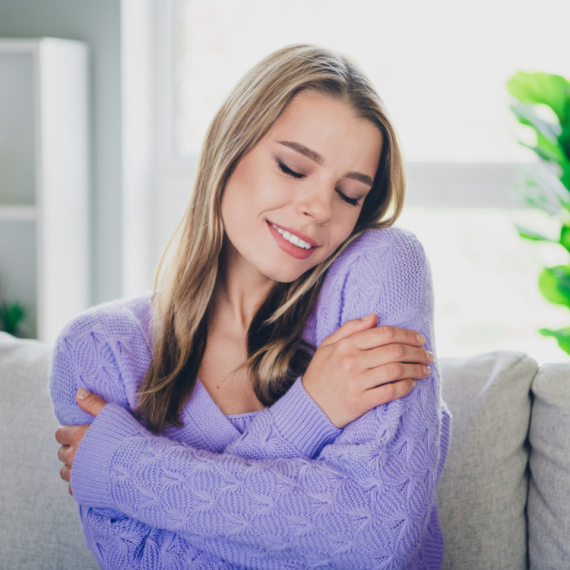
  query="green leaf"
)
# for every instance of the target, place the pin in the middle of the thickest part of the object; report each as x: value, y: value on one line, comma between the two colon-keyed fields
x: 542, y: 152
x: 565, y: 178
x: 561, y: 335
x: 554, y: 284
x: 565, y: 237
x: 553, y: 147
x: 542, y: 189
x: 528, y: 116
x: 564, y: 141
x: 542, y: 88
x: 531, y: 234
x: 10, y: 316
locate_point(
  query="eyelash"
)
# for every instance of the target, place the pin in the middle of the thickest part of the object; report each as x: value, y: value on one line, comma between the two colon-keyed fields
x: 287, y: 170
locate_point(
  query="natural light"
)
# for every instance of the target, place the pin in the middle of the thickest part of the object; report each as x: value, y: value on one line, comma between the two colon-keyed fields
x: 442, y: 76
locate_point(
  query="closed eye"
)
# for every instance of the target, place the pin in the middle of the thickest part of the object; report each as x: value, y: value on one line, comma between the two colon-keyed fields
x: 286, y: 170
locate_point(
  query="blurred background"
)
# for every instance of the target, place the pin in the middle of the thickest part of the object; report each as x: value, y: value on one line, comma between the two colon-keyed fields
x: 157, y: 71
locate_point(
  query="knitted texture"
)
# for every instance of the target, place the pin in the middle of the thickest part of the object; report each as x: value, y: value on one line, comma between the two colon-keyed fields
x: 279, y: 488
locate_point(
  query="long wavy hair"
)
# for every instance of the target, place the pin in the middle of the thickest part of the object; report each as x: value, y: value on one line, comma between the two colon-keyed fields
x: 185, y: 280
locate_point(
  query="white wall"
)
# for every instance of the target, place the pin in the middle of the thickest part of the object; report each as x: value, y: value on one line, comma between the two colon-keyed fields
x: 99, y: 24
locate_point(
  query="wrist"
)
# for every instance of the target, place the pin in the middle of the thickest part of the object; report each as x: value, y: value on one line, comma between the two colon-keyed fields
x: 90, y: 480
x: 301, y: 421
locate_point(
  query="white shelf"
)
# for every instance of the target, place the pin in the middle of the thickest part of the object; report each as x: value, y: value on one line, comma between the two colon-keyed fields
x: 18, y: 213
x: 44, y: 222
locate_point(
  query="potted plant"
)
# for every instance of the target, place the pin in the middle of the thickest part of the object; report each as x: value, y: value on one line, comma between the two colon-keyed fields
x: 11, y: 316
x: 549, y: 190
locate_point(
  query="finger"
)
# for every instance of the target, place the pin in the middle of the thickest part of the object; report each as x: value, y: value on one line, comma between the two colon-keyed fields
x: 66, y: 455
x: 62, y: 453
x: 90, y: 403
x: 65, y: 473
x: 386, y: 334
x: 351, y: 327
x: 70, y: 491
x: 389, y: 392
x: 396, y: 352
x: 393, y: 372
x: 64, y: 434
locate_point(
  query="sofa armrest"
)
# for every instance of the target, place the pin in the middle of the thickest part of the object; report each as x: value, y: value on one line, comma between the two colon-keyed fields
x: 549, y: 493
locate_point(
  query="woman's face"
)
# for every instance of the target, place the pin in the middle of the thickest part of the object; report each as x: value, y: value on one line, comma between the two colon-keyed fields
x: 309, y: 176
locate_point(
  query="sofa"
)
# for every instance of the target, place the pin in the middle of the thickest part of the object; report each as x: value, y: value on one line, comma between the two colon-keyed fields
x: 504, y: 495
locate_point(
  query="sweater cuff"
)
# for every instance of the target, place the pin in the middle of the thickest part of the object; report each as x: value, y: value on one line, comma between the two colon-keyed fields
x: 301, y: 421
x: 92, y: 461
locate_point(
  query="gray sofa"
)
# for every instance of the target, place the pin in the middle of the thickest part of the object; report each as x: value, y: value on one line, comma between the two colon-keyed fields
x: 504, y: 495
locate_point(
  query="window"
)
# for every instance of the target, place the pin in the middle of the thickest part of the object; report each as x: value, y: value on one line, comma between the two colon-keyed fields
x: 441, y: 68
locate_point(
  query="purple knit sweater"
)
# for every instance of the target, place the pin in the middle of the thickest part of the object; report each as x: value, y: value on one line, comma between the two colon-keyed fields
x: 279, y: 488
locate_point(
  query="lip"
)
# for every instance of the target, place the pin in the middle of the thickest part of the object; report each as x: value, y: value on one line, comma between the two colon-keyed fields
x: 296, y: 233
x: 287, y: 246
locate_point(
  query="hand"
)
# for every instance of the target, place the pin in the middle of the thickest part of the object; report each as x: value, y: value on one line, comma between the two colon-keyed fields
x: 70, y: 436
x: 361, y: 366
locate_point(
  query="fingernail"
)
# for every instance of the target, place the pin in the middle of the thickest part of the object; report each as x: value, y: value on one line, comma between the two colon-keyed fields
x: 421, y: 338
x: 366, y: 317
x: 430, y: 356
x: 427, y: 369
x: 82, y: 394
x: 413, y: 383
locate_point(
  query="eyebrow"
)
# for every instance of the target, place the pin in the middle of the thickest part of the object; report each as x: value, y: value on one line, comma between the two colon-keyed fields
x: 316, y: 157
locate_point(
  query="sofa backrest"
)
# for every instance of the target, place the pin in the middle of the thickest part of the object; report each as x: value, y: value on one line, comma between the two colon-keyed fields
x: 39, y: 522
x: 482, y: 494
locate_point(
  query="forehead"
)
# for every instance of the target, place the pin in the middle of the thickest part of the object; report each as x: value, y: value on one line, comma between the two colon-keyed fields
x: 330, y: 127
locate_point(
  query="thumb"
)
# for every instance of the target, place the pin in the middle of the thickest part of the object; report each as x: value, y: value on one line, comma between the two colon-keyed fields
x: 352, y: 326
x: 90, y: 403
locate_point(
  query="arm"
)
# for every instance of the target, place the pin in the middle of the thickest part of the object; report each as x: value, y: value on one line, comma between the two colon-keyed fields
x: 81, y: 360
x: 369, y: 495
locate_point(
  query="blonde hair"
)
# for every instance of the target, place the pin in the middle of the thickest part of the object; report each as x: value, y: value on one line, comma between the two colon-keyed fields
x: 188, y: 268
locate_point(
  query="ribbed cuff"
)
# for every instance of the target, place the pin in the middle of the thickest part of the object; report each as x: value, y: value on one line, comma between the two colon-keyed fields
x: 92, y: 461
x: 301, y: 421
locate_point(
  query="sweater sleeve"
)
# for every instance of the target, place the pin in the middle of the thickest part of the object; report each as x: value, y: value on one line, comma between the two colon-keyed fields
x: 83, y: 358
x: 367, y: 500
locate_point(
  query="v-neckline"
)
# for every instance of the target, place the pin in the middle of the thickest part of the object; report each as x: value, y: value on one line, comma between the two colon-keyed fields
x: 226, y: 415
x: 201, y: 401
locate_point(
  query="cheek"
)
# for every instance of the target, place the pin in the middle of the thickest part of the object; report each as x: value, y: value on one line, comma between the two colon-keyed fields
x: 250, y: 191
x: 341, y: 232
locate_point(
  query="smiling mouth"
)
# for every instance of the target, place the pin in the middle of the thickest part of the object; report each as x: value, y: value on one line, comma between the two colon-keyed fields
x: 292, y: 238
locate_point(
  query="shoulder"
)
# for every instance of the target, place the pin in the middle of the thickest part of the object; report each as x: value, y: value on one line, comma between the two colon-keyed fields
x: 106, y: 348
x: 398, y: 242
x: 382, y: 271
x: 389, y: 275
x: 388, y: 254
x: 115, y: 319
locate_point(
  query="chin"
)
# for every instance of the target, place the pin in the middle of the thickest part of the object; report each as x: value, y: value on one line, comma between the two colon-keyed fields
x: 282, y: 276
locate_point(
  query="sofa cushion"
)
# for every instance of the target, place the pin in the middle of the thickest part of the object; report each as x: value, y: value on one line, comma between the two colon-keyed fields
x: 549, y: 493
x: 39, y: 522
x: 483, y: 488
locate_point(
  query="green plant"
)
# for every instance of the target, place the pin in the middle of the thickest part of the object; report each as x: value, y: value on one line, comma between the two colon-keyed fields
x: 11, y: 315
x: 541, y: 101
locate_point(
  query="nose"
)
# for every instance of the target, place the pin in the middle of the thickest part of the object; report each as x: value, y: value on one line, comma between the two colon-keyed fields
x: 317, y: 203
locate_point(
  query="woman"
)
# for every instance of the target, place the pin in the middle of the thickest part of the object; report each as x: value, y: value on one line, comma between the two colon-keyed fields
x: 222, y: 436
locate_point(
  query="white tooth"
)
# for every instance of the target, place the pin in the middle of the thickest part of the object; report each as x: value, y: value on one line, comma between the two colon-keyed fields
x: 292, y: 238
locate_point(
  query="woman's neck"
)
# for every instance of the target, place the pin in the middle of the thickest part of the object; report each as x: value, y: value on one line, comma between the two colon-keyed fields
x: 240, y: 290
